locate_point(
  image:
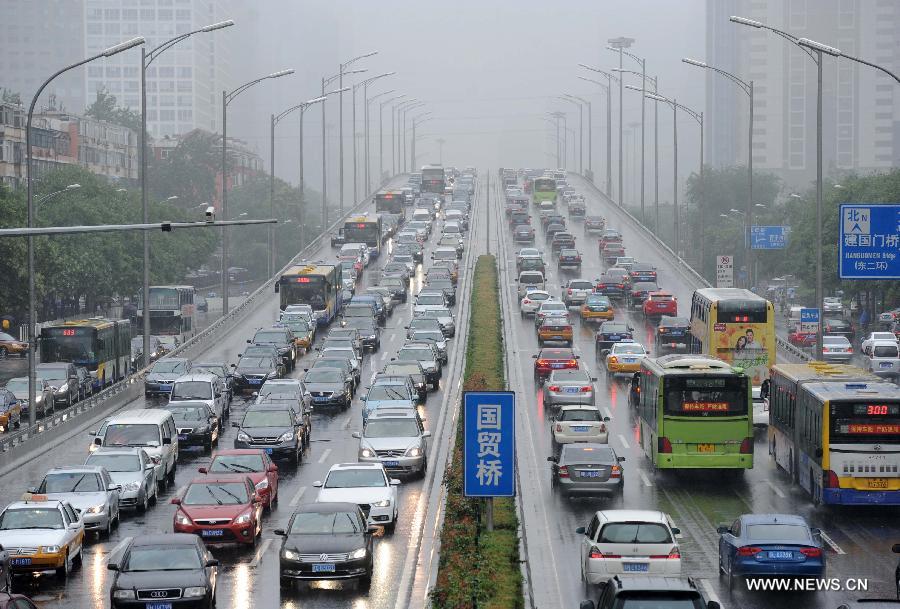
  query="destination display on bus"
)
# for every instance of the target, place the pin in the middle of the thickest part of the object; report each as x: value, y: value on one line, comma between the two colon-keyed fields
x: 864, y: 422
x: 705, y: 396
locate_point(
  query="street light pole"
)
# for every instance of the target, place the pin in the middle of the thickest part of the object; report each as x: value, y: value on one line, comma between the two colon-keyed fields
x: 643, y: 74
x: 381, y: 132
x: 368, y: 102
x: 608, y: 89
x: 587, y: 103
x: 619, y: 44
x: 580, y: 131
x: 343, y: 67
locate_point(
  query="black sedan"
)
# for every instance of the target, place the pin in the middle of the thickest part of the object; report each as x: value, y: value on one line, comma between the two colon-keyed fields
x: 252, y: 371
x: 611, y: 332
x: 327, y: 541
x: 196, y: 423
x: 672, y: 333
x: 173, y: 570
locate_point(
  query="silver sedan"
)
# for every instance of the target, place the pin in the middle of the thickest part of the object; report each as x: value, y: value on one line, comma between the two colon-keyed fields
x: 568, y: 387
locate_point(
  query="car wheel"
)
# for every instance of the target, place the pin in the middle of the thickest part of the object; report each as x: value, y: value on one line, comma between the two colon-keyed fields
x: 365, y: 582
x: 391, y: 526
x: 142, y: 508
x: 297, y: 459
x: 107, y: 532
x: 207, y: 447
x: 63, y: 571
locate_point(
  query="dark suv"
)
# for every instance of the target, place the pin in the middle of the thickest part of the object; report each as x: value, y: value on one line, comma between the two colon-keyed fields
x: 279, y: 431
x: 282, y: 339
x: 640, y: 591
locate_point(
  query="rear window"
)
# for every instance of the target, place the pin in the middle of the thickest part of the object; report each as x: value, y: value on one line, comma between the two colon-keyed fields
x: 635, y: 532
x: 531, y: 278
x: 588, y: 414
x: 659, y: 600
x: 784, y: 533
x: 574, y: 453
x: 885, y: 351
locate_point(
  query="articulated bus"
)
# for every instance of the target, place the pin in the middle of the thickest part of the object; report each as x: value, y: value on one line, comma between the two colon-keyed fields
x: 433, y: 179
x: 171, y: 311
x: 318, y: 285
x: 543, y: 189
x: 835, y: 429
x: 389, y: 202
x: 735, y: 326
x: 694, y: 412
x: 103, y: 346
x: 365, y: 229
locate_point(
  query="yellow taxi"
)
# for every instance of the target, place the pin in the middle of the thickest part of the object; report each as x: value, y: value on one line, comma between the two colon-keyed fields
x: 42, y: 535
x: 625, y: 357
x: 10, y: 410
x: 304, y: 332
x: 555, y: 329
x: 597, y: 307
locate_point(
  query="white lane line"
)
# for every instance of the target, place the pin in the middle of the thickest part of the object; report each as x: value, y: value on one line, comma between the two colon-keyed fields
x: 346, y: 424
x: 837, y: 549
x: 624, y: 441
x: 775, y: 489
x: 295, y: 500
x: 644, y: 477
x: 259, y: 553
x: 324, y: 455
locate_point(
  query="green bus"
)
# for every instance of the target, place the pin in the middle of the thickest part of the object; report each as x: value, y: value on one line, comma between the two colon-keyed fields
x: 543, y: 189
x: 694, y: 412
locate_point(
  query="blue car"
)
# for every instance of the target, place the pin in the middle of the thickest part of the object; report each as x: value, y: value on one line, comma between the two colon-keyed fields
x: 770, y: 545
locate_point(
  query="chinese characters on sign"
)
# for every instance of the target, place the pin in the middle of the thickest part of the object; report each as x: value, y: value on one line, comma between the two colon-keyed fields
x: 769, y: 237
x: 489, y: 444
x: 724, y: 271
x: 870, y: 241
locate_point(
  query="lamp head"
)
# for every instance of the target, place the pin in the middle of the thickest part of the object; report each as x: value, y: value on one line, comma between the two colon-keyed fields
x: 745, y: 21
x: 695, y: 62
x: 218, y: 26
x: 123, y: 46
x: 818, y: 46
x: 281, y: 73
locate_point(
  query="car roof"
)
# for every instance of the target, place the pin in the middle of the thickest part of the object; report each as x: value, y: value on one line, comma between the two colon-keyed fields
x: 117, y: 450
x: 237, y: 451
x: 208, y: 479
x: 773, y: 518
x: 393, y: 413
x: 197, y: 376
x: 158, y: 539
x: 343, y: 466
x: 557, y: 351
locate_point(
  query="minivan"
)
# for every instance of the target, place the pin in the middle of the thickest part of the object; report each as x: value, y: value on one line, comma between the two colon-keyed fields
x: 152, y: 429
x: 203, y: 387
x: 530, y: 279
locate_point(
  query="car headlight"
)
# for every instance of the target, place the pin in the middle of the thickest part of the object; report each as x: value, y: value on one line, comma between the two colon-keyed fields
x: 97, y: 509
x: 243, y: 437
x: 50, y: 549
x: 131, y: 486
x: 64, y: 387
x: 123, y: 595
x: 286, y: 436
x: 366, y: 452
x: 290, y: 554
x: 382, y: 503
x: 360, y: 553
x: 243, y: 518
x: 415, y: 451
x: 264, y: 483
x: 195, y: 592
x: 182, y: 518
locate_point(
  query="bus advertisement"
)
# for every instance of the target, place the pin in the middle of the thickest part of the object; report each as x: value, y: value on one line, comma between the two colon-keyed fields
x: 735, y: 326
x: 433, y: 179
x: 694, y: 412
x: 171, y: 311
x: 318, y: 285
x: 835, y: 429
x: 365, y: 229
x: 389, y: 202
x: 103, y: 346
x: 543, y: 189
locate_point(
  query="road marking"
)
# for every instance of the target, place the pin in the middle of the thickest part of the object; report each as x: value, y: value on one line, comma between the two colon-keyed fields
x: 624, y: 441
x: 296, y: 499
x: 775, y: 489
x: 259, y: 553
x: 644, y: 478
x: 324, y: 455
x: 837, y: 549
x: 346, y: 424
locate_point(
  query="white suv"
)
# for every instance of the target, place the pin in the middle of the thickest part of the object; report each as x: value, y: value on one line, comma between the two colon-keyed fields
x: 365, y: 484
x: 628, y: 542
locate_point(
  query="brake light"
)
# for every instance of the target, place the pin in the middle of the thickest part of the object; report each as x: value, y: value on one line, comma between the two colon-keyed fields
x: 748, y: 551
x: 570, y: 291
x: 573, y: 362
x: 553, y: 388
x: 615, y: 472
x: 621, y: 285
x: 596, y: 553
x: 526, y: 301
x: 747, y: 446
x: 849, y: 349
x: 811, y: 552
x: 586, y: 389
x: 831, y: 480
x: 664, y: 445
x: 675, y: 553
x: 564, y: 471
x: 613, y: 359
x: 578, y: 258
x: 558, y: 427
x: 542, y: 362
x: 663, y: 330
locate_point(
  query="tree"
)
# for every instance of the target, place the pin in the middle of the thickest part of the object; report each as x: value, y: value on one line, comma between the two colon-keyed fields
x: 190, y: 170
x: 10, y: 97
x: 104, y: 108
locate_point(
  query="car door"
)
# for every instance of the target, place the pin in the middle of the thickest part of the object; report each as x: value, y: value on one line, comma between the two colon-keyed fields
x: 271, y: 476
x: 107, y: 481
x: 75, y: 538
x: 727, y: 542
x: 587, y: 540
x: 148, y: 473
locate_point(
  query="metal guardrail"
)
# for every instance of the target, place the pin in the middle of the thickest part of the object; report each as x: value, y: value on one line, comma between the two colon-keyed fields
x: 99, y: 404
x: 694, y: 278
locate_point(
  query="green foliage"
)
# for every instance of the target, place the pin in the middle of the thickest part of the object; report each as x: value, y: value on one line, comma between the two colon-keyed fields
x: 189, y: 171
x: 104, y: 108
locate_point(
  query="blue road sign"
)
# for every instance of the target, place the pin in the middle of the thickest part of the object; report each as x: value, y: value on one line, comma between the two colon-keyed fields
x: 489, y: 444
x: 809, y: 316
x: 870, y: 241
x: 769, y: 237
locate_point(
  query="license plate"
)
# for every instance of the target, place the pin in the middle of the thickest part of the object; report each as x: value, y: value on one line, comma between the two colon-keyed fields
x: 182, y: 437
x: 255, y: 381
x: 628, y: 360
x: 635, y: 567
x: 706, y: 448
x: 615, y: 337
x: 158, y: 606
x: 886, y: 365
x: 212, y: 532
x: 878, y: 483
x: 589, y: 474
x: 320, y: 399
x: 781, y: 555
x: 19, y: 562
x: 570, y: 390
x: 391, y: 463
x: 268, y: 451
x: 557, y: 365
x: 323, y: 568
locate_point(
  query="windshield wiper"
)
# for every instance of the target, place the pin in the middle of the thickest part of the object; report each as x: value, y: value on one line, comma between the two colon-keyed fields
x: 238, y: 467
x: 227, y: 492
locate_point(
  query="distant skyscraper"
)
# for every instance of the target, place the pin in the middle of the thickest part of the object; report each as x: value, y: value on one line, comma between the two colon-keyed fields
x: 861, y: 114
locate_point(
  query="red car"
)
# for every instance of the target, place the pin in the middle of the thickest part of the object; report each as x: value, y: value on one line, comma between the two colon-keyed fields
x: 611, y: 251
x: 221, y: 509
x: 253, y: 462
x: 801, y: 339
x: 549, y: 359
x: 660, y: 303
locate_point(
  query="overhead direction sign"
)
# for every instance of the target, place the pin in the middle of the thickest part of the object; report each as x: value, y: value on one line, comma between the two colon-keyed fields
x: 870, y: 241
x: 769, y: 237
x: 489, y: 444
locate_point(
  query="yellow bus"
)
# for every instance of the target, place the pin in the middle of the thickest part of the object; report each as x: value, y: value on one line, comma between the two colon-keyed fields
x: 735, y: 326
x: 103, y: 346
x: 318, y: 285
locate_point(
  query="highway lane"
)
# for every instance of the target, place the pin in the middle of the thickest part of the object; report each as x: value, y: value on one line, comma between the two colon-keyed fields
x: 697, y: 501
x: 250, y: 579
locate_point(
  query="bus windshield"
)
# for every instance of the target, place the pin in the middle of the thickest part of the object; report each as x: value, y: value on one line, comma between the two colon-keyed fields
x: 865, y: 423
x: 311, y: 291
x: 545, y: 185
x: 67, y: 345
x: 362, y: 232
x: 705, y: 396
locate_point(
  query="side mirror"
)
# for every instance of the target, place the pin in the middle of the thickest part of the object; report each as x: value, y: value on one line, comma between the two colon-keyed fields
x: 249, y: 341
x: 676, y: 531
x: 895, y: 548
x: 203, y: 470
x: 149, y: 466
x: 167, y: 441
x: 235, y: 424
x: 114, y: 487
x: 92, y: 432
x: 32, y: 489
x: 356, y: 435
x: 593, y: 379
x: 581, y: 530
x: 112, y: 566
x: 317, y: 484
x: 553, y: 459
x: 534, y: 357
x: 280, y: 532
x: 621, y: 459
x: 98, y: 441
x: 175, y: 501
x: 235, y: 365
x: 606, y: 419
x: 212, y: 562
x: 395, y: 482
x: 427, y: 434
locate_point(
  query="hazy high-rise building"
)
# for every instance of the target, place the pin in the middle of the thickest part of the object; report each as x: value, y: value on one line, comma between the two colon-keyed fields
x: 861, y: 118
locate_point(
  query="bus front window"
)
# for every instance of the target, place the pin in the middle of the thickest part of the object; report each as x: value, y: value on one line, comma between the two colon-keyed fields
x: 57, y: 347
x: 305, y: 293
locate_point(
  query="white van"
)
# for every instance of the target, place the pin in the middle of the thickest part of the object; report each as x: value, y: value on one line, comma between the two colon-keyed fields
x: 203, y: 387
x: 530, y: 279
x: 153, y: 430
x: 421, y: 215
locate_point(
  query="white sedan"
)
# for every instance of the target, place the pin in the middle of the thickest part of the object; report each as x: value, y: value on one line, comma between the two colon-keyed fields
x: 362, y: 483
x: 578, y: 423
x: 876, y: 336
x: 532, y: 301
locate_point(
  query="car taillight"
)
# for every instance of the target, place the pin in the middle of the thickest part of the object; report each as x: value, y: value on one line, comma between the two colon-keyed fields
x: 663, y: 330
x: 564, y: 471
x: 558, y: 427
x: 553, y: 388
x: 615, y: 472
x: 849, y: 349
x: 748, y: 551
x: 573, y: 363
x: 621, y: 285
x: 542, y: 362
x: 570, y: 291
x: 811, y: 552
x: 674, y: 553
x: 586, y: 389
x: 526, y: 301
x: 613, y: 359
x: 831, y: 480
x: 664, y: 445
x: 596, y: 553
x: 747, y: 446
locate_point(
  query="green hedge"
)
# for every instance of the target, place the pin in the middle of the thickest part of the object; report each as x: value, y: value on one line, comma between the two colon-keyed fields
x: 479, y: 568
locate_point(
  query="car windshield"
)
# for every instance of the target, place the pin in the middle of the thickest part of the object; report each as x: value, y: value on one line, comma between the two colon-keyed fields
x: 267, y: 418
x: 553, y: 306
x: 71, y: 482
x: 586, y: 414
x: 782, y: 533
x: 326, y: 523
x: 324, y: 375
x: 254, y: 362
x: 187, y: 413
x: 430, y: 299
x: 270, y: 337
x: 259, y: 351
x: 629, y: 349
x: 614, y: 329
x: 286, y: 389
x: 162, y: 558
x: 635, y: 532
x: 216, y: 493
x: 387, y: 392
x: 236, y: 464
x: 354, y: 478
x: 121, y: 434
x: 31, y: 518
x: 391, y: 428
x: 168, y: 366
x: 421, y: 355
x: 116, y: 463
x: 210, y: 369
x: 835, y: 340
x: 52, y: 374
x: 18, y: 386
x: 192, y: 390
x: 435, y: 335
x: 675, y: 321
x: 579, y: 453
x: 401, y: 369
